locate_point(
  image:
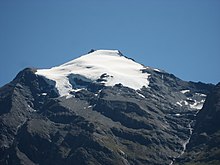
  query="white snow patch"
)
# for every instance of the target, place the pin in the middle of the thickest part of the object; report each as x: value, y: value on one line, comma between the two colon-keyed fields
x: 77, y: 90
x: 201, y: 94
x: 157, y: 70
x: 178, y: 103
x: 181, y: 103
x: 69, y: 96
x: 117, y: 68
x: 185, y: 102
x: 197, y: 104
x: 141, y: 95
x: 185, y: 91
x: 30, y: 109
x: 190, y: 99
x: 121, y: 152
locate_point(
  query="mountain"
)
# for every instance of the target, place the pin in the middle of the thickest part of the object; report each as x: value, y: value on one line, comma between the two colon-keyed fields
x: 101, y: 108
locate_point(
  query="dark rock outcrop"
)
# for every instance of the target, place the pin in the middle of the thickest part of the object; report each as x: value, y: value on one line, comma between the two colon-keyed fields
x: 204, y: 145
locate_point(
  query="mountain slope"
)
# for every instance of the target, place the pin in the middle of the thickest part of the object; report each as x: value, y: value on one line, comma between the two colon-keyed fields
x: 94, y: 119
x: 204, y: 146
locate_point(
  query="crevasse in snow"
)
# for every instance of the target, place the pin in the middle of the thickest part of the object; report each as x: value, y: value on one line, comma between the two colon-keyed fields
x: 116, y: 68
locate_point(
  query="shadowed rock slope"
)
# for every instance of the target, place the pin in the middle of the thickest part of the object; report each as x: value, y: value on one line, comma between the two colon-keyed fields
x: 204, y: 146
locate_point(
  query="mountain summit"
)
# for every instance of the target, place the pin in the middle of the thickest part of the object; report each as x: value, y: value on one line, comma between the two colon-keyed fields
x: 108, y: 67
x: 104, y: 108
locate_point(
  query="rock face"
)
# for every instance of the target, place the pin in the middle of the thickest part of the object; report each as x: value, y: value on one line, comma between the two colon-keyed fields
x: 99, y: 124
x: 204, y: 146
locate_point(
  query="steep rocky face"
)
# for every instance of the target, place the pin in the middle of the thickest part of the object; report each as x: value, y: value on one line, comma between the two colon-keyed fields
x: 97, y: 123
x: 204, y: 146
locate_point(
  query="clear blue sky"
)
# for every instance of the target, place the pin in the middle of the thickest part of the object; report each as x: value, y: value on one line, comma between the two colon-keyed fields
x: 180, y: 36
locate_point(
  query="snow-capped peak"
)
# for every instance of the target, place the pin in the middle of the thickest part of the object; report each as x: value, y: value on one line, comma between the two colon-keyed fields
x: 109, y: 65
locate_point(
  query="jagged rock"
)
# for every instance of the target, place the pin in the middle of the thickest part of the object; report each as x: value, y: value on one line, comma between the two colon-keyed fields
x: 204, y: 145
